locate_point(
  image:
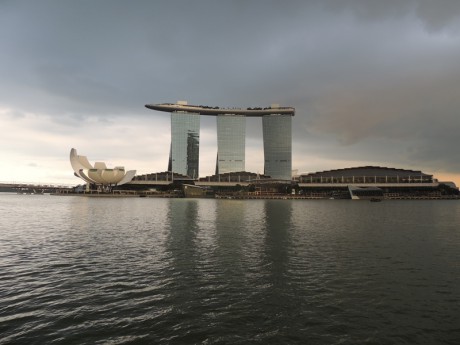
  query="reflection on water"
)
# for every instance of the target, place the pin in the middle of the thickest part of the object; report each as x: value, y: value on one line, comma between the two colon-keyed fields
x: 277, y: 241
x: 88, y: 270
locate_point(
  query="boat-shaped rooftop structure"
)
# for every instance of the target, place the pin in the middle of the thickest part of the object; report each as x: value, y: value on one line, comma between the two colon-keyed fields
x: 274, y: 109
x: 231, y: 131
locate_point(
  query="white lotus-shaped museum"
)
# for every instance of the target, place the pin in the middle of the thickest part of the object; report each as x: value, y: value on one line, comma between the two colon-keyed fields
x: 99, y: 173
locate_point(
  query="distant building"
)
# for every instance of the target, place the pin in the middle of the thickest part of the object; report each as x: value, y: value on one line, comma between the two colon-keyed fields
x: 277, y: 132
x: 366, y: 175
x: 392, y: 183
x: 368, y: 182
x: 99, y: 174
x: 184, y: 155
x: 231, y: 143
x: 234, y: 177
x: 231, y: 131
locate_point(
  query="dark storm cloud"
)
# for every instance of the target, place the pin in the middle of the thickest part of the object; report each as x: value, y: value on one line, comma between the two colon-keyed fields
x: 435, y: 15
x: 367, y: 77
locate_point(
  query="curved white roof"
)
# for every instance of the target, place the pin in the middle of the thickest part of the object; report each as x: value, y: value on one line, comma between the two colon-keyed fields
x: 128, y: 177
x: 99, y: 174
x: 78, y: 162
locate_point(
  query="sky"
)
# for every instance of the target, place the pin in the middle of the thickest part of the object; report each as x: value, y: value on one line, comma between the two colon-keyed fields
x: 373, y: 82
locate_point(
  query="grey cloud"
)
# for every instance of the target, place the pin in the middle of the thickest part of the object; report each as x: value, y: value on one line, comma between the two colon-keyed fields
x: 434, y: 15
x: 439, y: 15
x: 359, y: 72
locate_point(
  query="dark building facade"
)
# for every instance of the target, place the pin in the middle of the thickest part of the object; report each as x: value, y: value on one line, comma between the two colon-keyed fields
x: 367, y: 174
x: 393, y: 183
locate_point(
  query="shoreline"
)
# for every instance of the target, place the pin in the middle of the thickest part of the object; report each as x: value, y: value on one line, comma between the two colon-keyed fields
x: 242, y: 197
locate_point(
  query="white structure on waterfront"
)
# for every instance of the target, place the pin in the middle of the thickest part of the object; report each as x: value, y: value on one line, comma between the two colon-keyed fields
x: 99, y: 174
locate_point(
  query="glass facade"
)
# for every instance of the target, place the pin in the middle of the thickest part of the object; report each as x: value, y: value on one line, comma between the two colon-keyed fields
x: 231, y: 134
x: 231, y: 144
x: 185, y: 144
x: 277, y: 134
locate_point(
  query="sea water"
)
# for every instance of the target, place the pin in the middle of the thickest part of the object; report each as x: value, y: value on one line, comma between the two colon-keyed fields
x: 79, y: 270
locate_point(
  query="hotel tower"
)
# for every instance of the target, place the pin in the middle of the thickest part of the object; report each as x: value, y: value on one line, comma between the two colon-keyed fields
x: 231, y: 134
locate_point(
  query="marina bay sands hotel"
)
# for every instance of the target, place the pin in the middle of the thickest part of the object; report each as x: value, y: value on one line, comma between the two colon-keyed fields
x: 231, y: 133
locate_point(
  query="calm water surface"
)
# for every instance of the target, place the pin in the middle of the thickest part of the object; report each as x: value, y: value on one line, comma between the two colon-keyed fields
x: 77, y: 270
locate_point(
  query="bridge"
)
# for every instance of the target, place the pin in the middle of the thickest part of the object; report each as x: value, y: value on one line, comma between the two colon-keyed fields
x: 32, y: 187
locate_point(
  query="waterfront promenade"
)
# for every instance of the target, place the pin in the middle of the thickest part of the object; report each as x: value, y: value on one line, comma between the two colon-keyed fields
x: 238, y: 196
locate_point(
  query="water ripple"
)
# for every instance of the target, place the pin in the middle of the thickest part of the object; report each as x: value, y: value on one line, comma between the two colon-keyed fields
x: 88, y: 271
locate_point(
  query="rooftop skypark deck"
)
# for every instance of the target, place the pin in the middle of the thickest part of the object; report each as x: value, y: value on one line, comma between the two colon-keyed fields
x: 214, y: 111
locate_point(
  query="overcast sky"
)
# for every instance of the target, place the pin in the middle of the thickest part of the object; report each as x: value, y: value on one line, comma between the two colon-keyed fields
x: 373, y: 82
